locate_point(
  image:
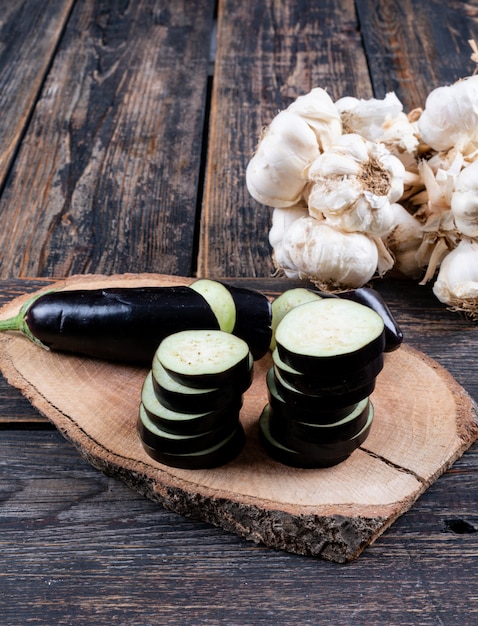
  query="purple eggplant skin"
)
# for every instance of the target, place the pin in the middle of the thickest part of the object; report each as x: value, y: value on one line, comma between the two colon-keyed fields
x: 253, y: 319
x: 116, y: 324
x: 207, y: 459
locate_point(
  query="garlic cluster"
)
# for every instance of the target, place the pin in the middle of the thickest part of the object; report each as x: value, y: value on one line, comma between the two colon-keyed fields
x: 360, y: 189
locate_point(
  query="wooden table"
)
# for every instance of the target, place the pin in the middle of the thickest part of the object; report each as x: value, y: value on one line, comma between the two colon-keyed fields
x: 125, y: 131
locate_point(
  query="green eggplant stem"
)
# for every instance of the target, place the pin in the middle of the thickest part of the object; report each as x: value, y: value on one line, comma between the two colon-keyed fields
x: 18, y: 322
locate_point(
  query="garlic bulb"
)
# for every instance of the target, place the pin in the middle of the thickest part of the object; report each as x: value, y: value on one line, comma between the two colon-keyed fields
x: 450, y: 117
x: 313, y: 250
x: 318, y: 110
x: 380, y: 120
x: 464, y: 201
x: 277, y: 173
x: 457, y: 281
x: 354, y: 183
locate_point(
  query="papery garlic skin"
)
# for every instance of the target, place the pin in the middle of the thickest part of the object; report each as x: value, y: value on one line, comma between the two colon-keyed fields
x: 313, y: 250
x: 318, y: 110
x: 277, y: 173
x: 464, y: 201
x: 450, y: 117
x: 353, y: 185
x: 457, y: 281
x: 379, y: 120
x: 403, y: 241
x: 439, y: 178
x: 440, y: 234
x: 282, y: 218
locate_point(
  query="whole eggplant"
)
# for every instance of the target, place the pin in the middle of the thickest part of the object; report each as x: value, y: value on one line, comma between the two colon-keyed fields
x: 121, y: 324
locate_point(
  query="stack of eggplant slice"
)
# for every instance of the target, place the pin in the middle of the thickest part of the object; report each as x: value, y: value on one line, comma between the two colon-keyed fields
x: 326, y: 353
x: 191, y: 399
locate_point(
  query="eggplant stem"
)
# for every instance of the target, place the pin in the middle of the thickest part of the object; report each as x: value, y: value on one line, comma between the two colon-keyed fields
x: 18, y: 323
x: 12, y: 323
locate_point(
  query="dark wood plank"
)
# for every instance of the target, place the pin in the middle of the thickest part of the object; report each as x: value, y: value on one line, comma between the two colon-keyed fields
x: 15, y: 410
x: 107, y: 177
x: 413, y: 47
x: 267, y: 55
x: 29, y: 33
x: 79, y: 547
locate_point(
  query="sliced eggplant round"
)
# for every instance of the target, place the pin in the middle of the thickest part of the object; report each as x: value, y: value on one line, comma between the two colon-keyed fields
x: 326, y: 401
x: 310, y: 455
x: 287, y: 301
x: 171, y: 443
x: 208, y: 458
x: 186, y: 399
x: 181, y: 423
x: 330, y: 336
x: 219, y: 299
x: 205, y: 359
x: 253, y: 319
x: 286, y: 427
x: 371, y: 298
x: 335, y: 384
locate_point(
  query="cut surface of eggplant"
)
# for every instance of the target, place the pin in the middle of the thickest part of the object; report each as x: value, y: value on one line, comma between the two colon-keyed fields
x: 253, y: 319
x: 373, y: 299
x: 336, y: 383
x: 330, y: 336
x: 328, y: 401
x: 185, y: 399
x: 204, y: 359
x: 310, y: 455
x: 287, y: 427
x: 287, y: 301
x: 172, y: 443
x: 186, y: 423
x: 220, y: 300
x: 220, y: 454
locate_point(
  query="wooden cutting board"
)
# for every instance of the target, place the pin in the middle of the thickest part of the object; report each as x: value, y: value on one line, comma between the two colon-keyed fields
x: 423, y: 422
